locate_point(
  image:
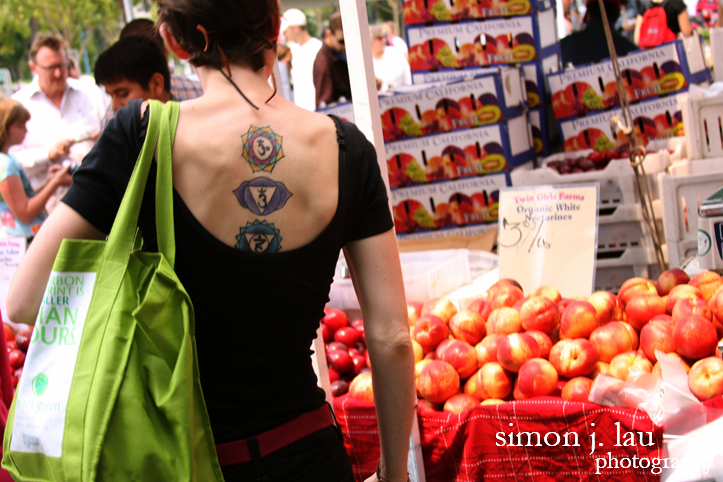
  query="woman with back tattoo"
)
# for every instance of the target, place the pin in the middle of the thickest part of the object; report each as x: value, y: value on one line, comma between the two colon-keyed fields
x: 266, y: 194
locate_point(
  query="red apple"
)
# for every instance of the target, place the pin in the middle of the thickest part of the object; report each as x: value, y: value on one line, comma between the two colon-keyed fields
x: 516, y: 349
x: 504, y: 321
x: 440, y: 307
x: 681, y: 292
x: 468, y: 326
x: 359, y: 364
x: 578, y: 320
x: 577, y: 389
x: 429, y: 330
x: 573, y: 358
x: 16, y: 358
x: 695, y: 337
x: 361, y: 388
x: 438, y: 381
x: 670, y: 279
x: 635, y: 286
x: 335, y: 345
x: 641, y: 308
x: 326, y: 333
x: 340, y: 360
x: 333, y: 375
x: 705, y: 379
x: 656, y: 335
x: 543, y: 342
x: 621, y: 365
x: 414, y: 311
x: 490, y: 381
x: 11, y: 346
x: 707, y: 282
x: 610, y: 340
x: 339, y: 388
x: 459, y: 403
x: 22, y: 339
x: 537, y: 377
x: 9, y: 332
x: 334, y: 318
x: 462, y: 356
x: 346, y: 335
x: 487, y: 348
x: 539, y: 313
x: 549, y: 292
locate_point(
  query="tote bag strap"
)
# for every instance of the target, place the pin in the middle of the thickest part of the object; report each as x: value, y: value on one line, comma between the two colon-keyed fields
x: 164, y: 184
x: 122, y: 234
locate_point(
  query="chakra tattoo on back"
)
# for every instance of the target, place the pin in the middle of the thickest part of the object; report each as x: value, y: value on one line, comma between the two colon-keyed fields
x: 259, y: 237
x: 262, y: 196
x: 262, y: 148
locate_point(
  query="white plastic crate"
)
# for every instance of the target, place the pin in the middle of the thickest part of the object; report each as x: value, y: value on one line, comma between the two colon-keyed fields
x: 427, y: 275
x: 628, y: 212
x: 703, y: 120
x: 682, y: 250
x: 681, y: 196
x: 611, y: 278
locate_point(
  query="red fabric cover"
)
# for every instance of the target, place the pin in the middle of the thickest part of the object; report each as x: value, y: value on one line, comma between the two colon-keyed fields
x: 6, y: 389
x: 463, y: 447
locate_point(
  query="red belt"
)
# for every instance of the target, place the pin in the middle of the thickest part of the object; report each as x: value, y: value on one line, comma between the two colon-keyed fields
x: 237, y: 452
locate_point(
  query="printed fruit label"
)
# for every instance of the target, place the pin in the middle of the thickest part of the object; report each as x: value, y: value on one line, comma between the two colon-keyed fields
x: 430, y: 11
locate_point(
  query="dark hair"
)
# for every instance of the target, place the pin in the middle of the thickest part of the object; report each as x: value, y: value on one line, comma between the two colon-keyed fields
x: 335, y: 24
x: 142, y: 27
x: 49, y: 40
x: 612, y: 10
x: 243, y: 31
x: 132, y: 58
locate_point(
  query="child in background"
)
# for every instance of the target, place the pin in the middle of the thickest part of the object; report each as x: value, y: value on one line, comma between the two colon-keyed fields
x: 22, y: 211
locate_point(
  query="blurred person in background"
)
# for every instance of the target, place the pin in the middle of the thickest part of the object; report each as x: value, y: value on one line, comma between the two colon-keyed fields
x: 181, y: 87
x: 22, y: 210
x: 590, y: 44
x: 707, y: 10
x: 64, y: 122
x: 626, y: 22
x: 391, y: 68
x: 331, y: 71
x: 393, y: 39
x: 87, y: 83
x: 134, y: 68
x: 676, y: 13
x: 304, y: 49
x: 283, y: 55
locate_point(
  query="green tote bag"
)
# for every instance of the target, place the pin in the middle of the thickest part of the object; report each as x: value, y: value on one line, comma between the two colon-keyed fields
x: 110, y: 389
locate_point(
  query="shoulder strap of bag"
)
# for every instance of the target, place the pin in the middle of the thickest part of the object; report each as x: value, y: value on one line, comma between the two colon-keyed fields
x: 164, y: 184
x: 122, y: 234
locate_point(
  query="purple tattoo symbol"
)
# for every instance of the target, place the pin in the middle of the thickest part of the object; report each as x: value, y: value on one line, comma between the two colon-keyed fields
x: 262, y: 196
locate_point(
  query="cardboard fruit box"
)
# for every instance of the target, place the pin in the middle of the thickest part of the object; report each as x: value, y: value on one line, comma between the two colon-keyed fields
x: 444, y: 108
x: 538, y: 127
x: 417, y: 12
x: 448, y: 204
x: 532, y: 72
x: 646, y: 74
x: 460, y: 154
x: 652, y: 120
x: 474, y: 43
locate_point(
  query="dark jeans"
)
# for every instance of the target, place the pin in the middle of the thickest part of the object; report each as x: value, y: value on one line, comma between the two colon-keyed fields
x: 319, y: 457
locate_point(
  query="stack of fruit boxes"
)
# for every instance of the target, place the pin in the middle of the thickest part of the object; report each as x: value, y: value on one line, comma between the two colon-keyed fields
x: 461, y: 39
x: 449, y: 150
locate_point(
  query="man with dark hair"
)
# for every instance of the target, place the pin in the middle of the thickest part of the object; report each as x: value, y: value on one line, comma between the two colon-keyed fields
x: 331, y: 72
x: 590, y: 44
x: 64, y: 121
x: 134, y: 68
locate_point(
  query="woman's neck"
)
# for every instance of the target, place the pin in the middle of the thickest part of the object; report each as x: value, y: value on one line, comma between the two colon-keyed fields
x: 253, y: 84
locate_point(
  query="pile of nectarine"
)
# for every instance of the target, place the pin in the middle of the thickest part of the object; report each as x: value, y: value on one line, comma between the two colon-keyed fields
x: 509, y: 345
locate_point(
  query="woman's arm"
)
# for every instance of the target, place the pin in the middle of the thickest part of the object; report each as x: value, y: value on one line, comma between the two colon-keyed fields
x: 684, y: 23
x: 23, y: 208
x: 636, y: 34
x: 28, y: 284
x: 377, y: 277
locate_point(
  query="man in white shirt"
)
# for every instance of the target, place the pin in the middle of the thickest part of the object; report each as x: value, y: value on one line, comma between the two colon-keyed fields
x: 304, y: 48
x: 390, y: 65
x: 394, y: 40
x: 64, y: 122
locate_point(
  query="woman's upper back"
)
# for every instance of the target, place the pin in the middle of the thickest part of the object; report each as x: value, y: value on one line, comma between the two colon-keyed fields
x: 238, y: 168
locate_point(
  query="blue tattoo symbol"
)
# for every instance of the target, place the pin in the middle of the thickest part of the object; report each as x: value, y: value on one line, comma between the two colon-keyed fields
x: 262, y: 196
x: 259, y: 237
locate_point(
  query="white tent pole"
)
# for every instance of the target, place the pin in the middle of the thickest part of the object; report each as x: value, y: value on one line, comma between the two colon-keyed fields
x: 128, y: 7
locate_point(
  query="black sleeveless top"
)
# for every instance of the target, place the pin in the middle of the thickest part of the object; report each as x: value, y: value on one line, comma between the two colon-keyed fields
x: 256, y: 316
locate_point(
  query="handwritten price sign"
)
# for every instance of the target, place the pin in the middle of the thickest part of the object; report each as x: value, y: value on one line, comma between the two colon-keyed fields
x: 548, y: 236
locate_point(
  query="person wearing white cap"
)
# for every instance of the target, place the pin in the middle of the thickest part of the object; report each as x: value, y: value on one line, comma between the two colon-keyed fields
x: 304, y: 48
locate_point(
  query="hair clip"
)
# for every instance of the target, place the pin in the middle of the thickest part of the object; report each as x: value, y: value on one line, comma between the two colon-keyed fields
x: 202, y: 29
